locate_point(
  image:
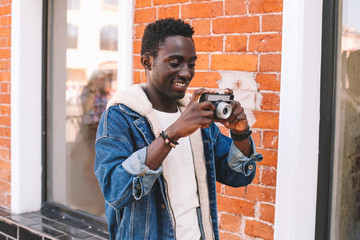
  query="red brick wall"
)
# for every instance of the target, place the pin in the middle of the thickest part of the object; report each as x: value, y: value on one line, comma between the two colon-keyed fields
x: 5, y: 84
x: 234, y: 35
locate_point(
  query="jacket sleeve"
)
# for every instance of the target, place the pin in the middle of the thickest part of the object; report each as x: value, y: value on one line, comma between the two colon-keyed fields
x: 233, y: 168
x: 120, y: 162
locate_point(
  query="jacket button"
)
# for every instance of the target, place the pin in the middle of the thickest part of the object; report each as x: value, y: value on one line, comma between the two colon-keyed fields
x: 251, y: 167
x: 163, y: 206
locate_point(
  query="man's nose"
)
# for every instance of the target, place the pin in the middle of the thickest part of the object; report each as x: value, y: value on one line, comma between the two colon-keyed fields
x: 185, y: 72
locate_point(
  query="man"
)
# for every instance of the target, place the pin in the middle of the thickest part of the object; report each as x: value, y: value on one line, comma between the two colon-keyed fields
x: 159, y: 153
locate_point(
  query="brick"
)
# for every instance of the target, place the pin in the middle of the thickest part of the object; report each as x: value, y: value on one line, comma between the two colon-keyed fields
x: 5, y: 187
x: 256, y: 136
x: 236, y: 25
x: 5, y: 143
x: 4, y: 154
x: 205, y: 79
x: 4, y: 65
x: 235, y: 192
x: 208, y: 44
x: 267, y: 213
x: 265, y: 6
x: 269, y: 82
x: 136, y: 77
x: 261, y: 194
x: 224, y: 130
x: 139, y: 31
x: 201, y: 26
x: 5, y: 76
x: 163, y: 2
x: 144, y: 15
x: 168, y: 12
x: 256, y: 179
x: 235, y: 62
x: 202, y: 62
x: 271, y: 23
x: 266, y: 120
x: 260, y: 230
x: 4, y: 53
x: 270, y: 63
x: 5, y: 20
x: 5, y: 121
x: 235, y: 7
x: 236, y: 43
x: 270, y: 139
x: 265, y: 43
x: 137, y: 62
x: 5, y: 10
x: 5, y: 110
x: 5, y: 98
x: 219, y: 188
x: 270, y: 157
x: 5, y: 175
x: 270, y: 101
x: 268, y: 176
x: 230, y: 223
x: 5, y: 164
x: 136, y: 47
x: 228, y: 236
x: 5, y: 132
x: 142, y: 3
x: 202, y: 10
x: 235, y: 206
x: 4, y: 43
x: 5, y: 32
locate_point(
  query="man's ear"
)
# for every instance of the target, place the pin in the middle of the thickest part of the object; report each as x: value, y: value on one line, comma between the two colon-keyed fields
x: 146, y: 61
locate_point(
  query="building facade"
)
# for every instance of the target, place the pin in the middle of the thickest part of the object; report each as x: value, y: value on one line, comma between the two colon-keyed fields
x: 60, y: 61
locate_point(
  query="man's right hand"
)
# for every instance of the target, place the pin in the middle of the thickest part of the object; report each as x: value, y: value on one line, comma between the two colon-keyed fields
x: 196, y: 115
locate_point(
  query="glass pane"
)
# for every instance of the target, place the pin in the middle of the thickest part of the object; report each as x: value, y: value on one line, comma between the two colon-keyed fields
x: 82, y: 79
x: 345, y: 214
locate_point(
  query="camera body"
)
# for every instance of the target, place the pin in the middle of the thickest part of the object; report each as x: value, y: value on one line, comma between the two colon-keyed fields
x: 221, y: 101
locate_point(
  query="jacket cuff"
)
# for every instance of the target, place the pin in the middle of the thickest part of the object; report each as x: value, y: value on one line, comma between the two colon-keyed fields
x: 240, y: 163
x: 144, y: 178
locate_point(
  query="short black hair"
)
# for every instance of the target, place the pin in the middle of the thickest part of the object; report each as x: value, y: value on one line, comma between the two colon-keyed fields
x: 155, y: 33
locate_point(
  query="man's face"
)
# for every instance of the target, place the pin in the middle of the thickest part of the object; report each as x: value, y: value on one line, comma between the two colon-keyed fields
x: 173, y: 67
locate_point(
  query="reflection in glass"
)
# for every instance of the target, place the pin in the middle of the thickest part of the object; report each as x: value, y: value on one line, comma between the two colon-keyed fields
x: 83, y: 78
x: 345, y: 214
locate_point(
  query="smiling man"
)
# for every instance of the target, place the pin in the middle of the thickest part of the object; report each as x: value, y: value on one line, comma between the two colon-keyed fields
x: 159, y: 152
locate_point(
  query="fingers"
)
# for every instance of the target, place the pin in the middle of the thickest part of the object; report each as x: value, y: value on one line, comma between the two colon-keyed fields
x: 197, y: 93
x: 229, y: 91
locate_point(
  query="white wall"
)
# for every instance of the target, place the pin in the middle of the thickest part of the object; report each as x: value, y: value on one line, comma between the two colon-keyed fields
x: 295, y: 209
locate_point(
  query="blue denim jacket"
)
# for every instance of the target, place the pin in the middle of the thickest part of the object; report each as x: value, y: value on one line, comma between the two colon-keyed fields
x: 135, y: 196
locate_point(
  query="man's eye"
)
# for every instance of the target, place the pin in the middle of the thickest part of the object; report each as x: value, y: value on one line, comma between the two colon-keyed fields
x: 174, y: 65
x: 192, y: 65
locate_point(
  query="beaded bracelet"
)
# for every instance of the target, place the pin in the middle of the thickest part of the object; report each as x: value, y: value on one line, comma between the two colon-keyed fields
x: 167, y: 139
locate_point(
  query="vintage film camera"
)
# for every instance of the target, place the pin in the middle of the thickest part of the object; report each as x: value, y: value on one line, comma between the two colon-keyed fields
x: 221, y: 101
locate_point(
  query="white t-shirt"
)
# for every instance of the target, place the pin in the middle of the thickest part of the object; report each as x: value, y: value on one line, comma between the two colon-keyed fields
x: 181, y: 182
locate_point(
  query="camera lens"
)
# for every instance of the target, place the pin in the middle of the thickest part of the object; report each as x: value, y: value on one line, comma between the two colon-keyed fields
x: 223, y: 110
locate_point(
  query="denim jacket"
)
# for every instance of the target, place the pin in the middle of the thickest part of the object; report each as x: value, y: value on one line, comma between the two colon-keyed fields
x: 136, y: 199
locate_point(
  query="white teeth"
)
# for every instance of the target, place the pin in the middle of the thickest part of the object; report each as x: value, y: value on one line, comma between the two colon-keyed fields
x: 180, y: 84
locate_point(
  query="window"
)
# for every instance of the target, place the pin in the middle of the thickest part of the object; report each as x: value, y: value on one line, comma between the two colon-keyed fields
x: 73, y: 4
x: 109, y: 38
x: 82, y: 79
x: 72, y: 36
x: 345, y: 209
x: 112, y: 2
